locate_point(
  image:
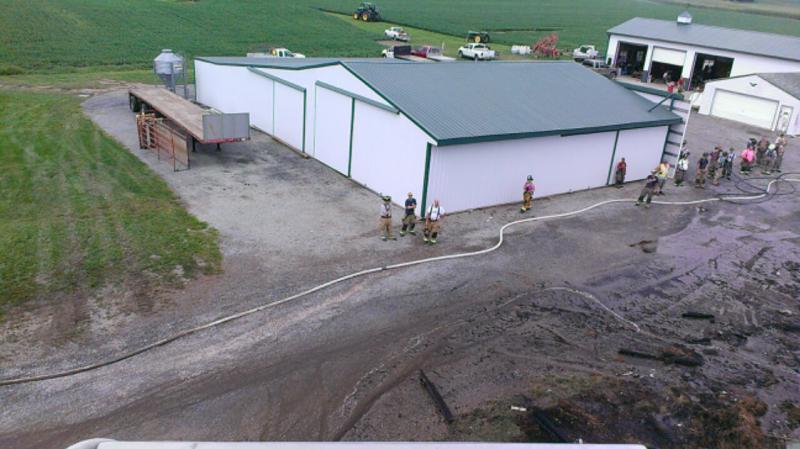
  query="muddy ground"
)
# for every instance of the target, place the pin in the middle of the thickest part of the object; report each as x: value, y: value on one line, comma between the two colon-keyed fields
x: 577, y: 323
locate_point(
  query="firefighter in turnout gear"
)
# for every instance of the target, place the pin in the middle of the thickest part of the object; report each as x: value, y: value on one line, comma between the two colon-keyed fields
x: 410, y: 218
x: 527, y: 195
x: 386, y: 218
x: 433, y: 222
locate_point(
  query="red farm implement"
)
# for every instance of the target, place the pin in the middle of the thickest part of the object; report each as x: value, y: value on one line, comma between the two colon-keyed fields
x: 546, y: 46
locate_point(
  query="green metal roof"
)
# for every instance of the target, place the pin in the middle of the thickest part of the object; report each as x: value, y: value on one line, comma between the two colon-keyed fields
x: 720, y: 38
x: 787, y: 82
x: 463, y: 102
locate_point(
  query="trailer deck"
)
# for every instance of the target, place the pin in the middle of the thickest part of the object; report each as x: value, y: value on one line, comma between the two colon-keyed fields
x: 188, y: 116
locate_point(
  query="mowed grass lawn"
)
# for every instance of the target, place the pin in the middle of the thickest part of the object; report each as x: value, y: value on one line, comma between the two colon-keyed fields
x: 79, y: 212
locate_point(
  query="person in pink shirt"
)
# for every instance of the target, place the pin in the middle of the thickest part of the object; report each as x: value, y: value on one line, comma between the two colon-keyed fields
x: 527, y: 195
x: 748, y: 156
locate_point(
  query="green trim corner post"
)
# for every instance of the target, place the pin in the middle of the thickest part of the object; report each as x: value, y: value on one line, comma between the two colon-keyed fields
x: 613, y: 155
x: 352, y: 122
x: 425, y: 180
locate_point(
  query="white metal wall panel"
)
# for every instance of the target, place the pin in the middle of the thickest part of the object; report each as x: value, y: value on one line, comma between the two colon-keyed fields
x: 335, y: 75
x: 756, y: 111
x: 641, y: 149
x: 332, y: 129
x: 289, y: 115
x: 669, y: 56
x: 388, y: 153
x: 235, y: 89
x: 484, y: 174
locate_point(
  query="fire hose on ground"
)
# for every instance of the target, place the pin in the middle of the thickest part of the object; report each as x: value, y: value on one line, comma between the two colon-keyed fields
x: 763, y: 195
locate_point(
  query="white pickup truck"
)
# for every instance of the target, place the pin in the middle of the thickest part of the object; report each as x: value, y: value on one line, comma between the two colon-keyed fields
x: 584, y: 52
x: 396, y: 34
x: 476, y: 52
x: 285, y: 53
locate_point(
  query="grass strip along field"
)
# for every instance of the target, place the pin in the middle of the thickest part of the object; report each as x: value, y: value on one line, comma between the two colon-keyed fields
x: 78, y: 211
x: 576, y: 21
x: 419, y: 37
x: 81, y: 79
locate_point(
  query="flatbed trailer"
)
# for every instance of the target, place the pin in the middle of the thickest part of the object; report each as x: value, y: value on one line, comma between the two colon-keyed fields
x: 171, y: 125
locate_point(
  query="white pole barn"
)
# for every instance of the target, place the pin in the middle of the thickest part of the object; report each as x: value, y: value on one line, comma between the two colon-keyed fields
x: 467, y: 134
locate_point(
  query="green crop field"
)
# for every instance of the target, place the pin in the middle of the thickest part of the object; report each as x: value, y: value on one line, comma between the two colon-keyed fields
x: 52, y: 35
x: 59, y: 35
x: 80, y: 212
x: 576, y: 21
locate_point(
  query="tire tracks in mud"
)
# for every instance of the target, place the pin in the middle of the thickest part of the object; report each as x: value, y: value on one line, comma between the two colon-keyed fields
x: 404, y: 369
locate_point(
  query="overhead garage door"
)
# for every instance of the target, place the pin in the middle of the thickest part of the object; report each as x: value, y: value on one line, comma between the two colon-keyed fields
x: 669, y: 56
x: 289, y: 115
x: 332, y: 129
x: 754, y: 111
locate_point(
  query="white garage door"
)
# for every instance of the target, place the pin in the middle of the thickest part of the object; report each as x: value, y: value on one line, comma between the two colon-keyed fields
x: 332, y: 129
x: 289, y: 115
x: 754, y: 111
x: 669, y: 56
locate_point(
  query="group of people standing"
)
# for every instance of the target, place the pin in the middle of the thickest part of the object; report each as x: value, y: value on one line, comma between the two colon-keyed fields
x: 653, y: 185
x: 718, y: 164
x: 433, y: 219
x: 768, y: 156
x: 712, y: 166
x: 433, y: 216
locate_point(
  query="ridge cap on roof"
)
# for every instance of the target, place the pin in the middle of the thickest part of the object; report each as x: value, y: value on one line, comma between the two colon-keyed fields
x: 720, y: 27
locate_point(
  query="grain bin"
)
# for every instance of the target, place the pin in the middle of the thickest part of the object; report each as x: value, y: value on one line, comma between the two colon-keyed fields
x: 169, y: 67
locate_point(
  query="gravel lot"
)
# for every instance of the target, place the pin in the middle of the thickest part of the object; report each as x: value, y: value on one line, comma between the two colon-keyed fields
x: 518, y: 326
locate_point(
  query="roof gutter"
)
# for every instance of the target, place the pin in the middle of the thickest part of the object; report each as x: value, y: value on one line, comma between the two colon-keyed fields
x: 265, y: 66
x: 562, y: 133
x: 752, y: 53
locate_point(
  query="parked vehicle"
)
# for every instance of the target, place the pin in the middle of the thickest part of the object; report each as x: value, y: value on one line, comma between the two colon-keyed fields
x: 276, y: 53
x: 478, y: 37
x: 584, y: 52
x: 367, y: 12
x: 431, y: 52
x: 285, y: 53
x: 396, y: 34
x: 476, y: 52
x: 602, y: 68
x: 403, y: 52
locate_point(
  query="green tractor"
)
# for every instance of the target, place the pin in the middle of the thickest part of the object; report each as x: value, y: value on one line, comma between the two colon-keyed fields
x: 479, y: 37
x: 367, y: 12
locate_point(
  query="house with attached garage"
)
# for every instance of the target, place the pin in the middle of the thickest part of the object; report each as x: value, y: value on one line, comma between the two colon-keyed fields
x: 648, y: 48
x: 465, y: 133
x: 767, y: 100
